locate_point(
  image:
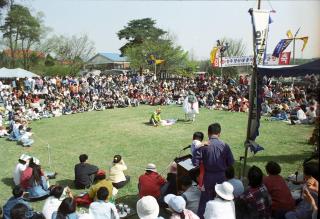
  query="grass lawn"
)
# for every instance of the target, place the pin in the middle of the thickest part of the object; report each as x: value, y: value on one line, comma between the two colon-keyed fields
x: 124, y: 131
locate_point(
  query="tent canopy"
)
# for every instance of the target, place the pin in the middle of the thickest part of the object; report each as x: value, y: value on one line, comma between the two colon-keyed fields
x: 290, y: 71
x: 16, y: 73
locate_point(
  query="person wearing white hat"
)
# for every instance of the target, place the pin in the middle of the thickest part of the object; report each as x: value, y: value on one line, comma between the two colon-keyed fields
x: 20, y: 167
x: 148, y: 208
x: 178, y: 206
x: 151, y: 182
x: 222, y: 206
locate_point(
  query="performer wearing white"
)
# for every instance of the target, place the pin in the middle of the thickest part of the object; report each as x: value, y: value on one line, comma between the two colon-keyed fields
x: 191, y: 106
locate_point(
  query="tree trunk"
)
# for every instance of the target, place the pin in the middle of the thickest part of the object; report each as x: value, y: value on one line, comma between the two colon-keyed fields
x: 141, y: 70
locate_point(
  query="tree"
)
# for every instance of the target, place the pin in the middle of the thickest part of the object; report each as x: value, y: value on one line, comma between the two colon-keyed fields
x: 139, y: 31
x: 21, y: 31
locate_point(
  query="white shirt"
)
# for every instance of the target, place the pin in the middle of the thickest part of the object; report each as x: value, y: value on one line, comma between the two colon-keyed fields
x: 17, y: 173
x: 103, y: 210
x: 50, y: 205
x: 301, y: 115
x: 218, y: 208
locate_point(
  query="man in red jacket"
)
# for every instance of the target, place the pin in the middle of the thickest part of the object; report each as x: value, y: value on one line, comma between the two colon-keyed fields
x: 150, y: 183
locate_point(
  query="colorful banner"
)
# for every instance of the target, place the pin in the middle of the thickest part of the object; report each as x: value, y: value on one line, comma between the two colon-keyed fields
x: 260, y: 22
x: 305, y: 41
x: 281, y: 46
x: 213, y: 57
x: 284, y: 58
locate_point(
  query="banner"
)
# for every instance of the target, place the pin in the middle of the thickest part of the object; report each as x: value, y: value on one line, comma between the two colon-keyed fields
x: 213, y: 57
x: 305, y: 41
x: 281, y: 46
x: 260, y: 22
x: 284, y: 58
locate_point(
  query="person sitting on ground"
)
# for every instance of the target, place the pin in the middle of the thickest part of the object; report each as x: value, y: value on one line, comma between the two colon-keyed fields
x: 3, y: 131
x: 66, y: 210
x: 116, y: 172
x: 26, y: 138
x: 278, y: 189
x: 256, y: 197
x: 100, y: 181
x: 197, y: 139
x: 16, y: 134
x: 222, y: 206
x: 312, y: 186
x: 84, y: 173
x: 155, y: 119
x: 20, y: 167
x: 191, y: 193
x: 101, y: 208
x: 237, y: 184
x: 151, y: 182
x: 148, y: 208
x: 21, y: 211
x: 53, y: 202
x: 305, y: 209
x: 178, y: 207
x: 17, y: 198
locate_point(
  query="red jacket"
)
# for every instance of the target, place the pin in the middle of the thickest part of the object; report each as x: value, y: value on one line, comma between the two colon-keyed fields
x: 150, y: 184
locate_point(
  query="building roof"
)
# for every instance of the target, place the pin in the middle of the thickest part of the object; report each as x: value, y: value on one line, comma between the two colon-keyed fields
x: 114, y: 56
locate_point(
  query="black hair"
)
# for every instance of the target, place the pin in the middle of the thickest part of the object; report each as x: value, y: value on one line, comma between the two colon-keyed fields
x: 20, y: 127
x: 311, y: 169
x: 229, y: 172
x: 83, y: 158
x: 186, y: 181
x: 102, y: 193
x: 198, y: 136
x: 67, y: 206
x: 273, y: 168
x: 255, y: 176
x: 38, y: 215
x: 17, y: 191
x: 214, y: 129
x: 57, y: 191
x: 117, y: 158
x: 36, y: 174
x: 28, y: 129
x: 20, y: 211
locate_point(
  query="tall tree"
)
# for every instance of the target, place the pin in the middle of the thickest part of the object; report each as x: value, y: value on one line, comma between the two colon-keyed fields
x: 21, y: 30
x: 139, y: 31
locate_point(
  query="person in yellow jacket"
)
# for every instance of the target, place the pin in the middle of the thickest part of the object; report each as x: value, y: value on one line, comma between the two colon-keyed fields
x: 155, y: 119
x: 101, y: 181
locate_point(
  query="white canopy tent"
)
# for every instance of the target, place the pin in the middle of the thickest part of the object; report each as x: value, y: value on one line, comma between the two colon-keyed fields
x: 16, y: 73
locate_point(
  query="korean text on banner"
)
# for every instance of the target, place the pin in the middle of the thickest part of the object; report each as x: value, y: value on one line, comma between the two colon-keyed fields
x: 281, y: 46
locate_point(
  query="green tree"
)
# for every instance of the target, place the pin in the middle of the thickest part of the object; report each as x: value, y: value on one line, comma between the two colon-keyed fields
x: 138, y: 31
x: 21, y: 31
x: 49, y: 61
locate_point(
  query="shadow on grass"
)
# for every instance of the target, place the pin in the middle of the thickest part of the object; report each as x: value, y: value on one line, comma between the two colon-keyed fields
x: 288, y: 158
x: 7, y: 181
x: 66, y: 182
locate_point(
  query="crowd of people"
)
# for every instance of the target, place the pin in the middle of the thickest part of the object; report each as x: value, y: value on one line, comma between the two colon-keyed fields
x: 212, y: 193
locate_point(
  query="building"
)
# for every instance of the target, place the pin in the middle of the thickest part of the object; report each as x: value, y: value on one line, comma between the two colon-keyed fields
x: 107, y: 61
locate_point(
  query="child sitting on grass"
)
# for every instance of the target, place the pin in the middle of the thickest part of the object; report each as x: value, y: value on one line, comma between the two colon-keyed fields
x: 26, y: 138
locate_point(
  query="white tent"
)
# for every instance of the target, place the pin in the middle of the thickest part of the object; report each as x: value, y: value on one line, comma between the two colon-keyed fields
x: 16, y: 73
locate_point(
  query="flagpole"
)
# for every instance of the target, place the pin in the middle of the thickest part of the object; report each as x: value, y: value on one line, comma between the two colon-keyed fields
x: 294, y: 50
x: 251, y: 96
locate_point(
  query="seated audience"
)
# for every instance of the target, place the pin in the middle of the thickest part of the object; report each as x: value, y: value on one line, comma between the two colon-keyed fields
x: 237, y: 184
x: 53, y: 202
x: 84, y: 173
x: 118, y: 178
x: 256, y: 197
x: 148, y: 208
x: 20, y: 167
x: 151, y: 182
x: 222, y: 206
x: 191, y: 193
x: 21, y: 211
x: 101, y: 208
x: 100, y: 181
x: 178, y: 207
x: 278, y: 189
x: 310, y: 199
x: 25, y: 139
x: 17, y: 198
x: 66, y: 210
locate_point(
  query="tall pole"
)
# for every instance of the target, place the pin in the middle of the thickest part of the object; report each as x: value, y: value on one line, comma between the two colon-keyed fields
x: 294, y: 50
x: 253, y: 85
x: 155, y: 70
x: 221, y: 54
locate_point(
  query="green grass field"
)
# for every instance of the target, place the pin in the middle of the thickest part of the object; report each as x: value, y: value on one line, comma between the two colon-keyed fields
x: 124, y: 131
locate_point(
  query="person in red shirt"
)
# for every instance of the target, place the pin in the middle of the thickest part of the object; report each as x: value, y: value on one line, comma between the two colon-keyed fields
x: 278, y: 189
x: 151, y: 182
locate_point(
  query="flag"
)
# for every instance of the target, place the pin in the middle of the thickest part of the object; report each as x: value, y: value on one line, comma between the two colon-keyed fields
x: 260, y: 22
x: 255, y: 147
x: 289, y: 34
x: 284, y: 58
x: 159, y: 61
x: 213, y: 55
x: 305, y: 41
x: 281, y: 46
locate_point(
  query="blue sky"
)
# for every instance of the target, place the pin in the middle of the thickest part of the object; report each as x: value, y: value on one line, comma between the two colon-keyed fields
x: 196, y: 25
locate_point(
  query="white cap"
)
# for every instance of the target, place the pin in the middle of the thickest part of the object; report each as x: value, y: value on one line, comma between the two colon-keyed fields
x: 147, y: 208
x: 151, y: 167
x: 36, y: 161
x: 176, y: 203
x: 225, y: 190
x: 24, y: 157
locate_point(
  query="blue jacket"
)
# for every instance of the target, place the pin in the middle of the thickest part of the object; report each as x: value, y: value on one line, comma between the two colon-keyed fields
x: 11, y: 203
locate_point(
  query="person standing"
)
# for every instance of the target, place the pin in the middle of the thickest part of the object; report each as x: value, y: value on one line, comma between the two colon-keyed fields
x: 216, y: 158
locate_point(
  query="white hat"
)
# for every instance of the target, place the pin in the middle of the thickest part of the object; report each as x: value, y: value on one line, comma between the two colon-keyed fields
x: 147, y: 208
x: 24, y: 157
x: 36, y: 161
x: 176, y: 203
x: 225, y: 190
x: 151, y: 167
